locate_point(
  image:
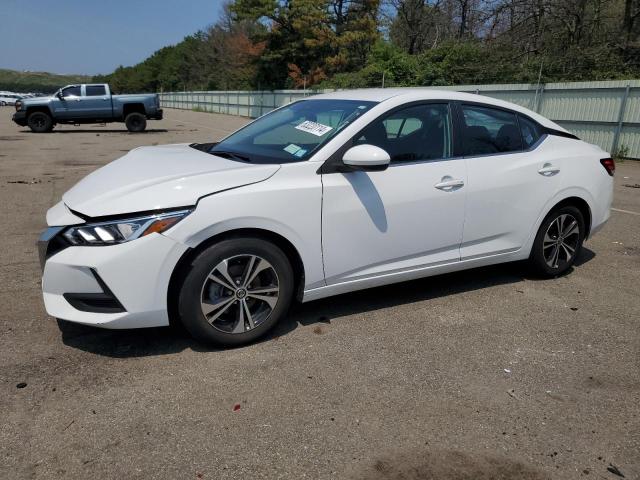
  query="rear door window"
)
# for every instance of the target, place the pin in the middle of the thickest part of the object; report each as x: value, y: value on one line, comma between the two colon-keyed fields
x: 95, y: 90
x: 489, y: 131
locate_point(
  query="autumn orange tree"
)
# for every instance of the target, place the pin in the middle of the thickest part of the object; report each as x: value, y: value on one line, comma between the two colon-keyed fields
x: 307, y: 41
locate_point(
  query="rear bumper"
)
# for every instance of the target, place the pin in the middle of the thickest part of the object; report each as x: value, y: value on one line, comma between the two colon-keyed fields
x: 157, y: 116
x: 20, y: 118
x: 601, y: 208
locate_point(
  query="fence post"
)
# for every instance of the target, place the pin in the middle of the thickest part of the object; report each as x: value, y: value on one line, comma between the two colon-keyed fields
x: 623, y: 108
x: 539, y: 99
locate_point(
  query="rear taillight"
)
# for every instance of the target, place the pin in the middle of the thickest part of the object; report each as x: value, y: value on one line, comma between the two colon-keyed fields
x: 609, y: 165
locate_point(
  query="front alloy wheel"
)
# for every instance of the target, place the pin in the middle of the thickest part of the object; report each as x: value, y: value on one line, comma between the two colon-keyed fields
x: 240, y: 293
x: 236, y: 291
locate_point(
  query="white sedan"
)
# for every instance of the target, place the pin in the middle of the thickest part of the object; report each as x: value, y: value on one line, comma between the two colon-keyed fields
x: 324, y: 196
x: 7, y: 98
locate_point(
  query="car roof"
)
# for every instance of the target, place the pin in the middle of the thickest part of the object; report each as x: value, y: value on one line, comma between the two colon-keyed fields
x: 416, y: 94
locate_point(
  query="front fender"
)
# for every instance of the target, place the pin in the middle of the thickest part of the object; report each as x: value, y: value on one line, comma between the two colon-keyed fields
x: 39, y: 108
x: 288, y: 205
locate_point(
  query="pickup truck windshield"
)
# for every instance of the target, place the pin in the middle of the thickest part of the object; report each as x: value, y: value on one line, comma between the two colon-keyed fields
x: 292, y: 133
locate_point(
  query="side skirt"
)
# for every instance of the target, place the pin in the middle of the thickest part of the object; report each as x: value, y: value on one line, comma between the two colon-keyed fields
x: 409, y: 274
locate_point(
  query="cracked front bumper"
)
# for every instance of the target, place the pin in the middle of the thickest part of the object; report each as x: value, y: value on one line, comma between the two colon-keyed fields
x: 115, y: 286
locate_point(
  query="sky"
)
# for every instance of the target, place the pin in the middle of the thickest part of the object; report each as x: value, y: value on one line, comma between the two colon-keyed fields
x: 94, y: 36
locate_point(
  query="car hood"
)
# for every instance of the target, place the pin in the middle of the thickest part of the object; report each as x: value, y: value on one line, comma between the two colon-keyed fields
x: 155, y: 178
x: 36, y: 100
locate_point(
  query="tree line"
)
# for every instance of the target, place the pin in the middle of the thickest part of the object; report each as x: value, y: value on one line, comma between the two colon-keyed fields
x: 37, y: 82
x: 275, y: 44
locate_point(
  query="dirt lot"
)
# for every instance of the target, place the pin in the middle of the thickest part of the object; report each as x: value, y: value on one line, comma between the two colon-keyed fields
x: 477, y: 375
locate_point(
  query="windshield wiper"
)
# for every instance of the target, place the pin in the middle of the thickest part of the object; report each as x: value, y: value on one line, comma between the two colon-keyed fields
x: 231, y: 155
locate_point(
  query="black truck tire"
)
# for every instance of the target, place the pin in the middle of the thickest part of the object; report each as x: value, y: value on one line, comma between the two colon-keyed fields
x: 135, y: 122
x: 40, y: 122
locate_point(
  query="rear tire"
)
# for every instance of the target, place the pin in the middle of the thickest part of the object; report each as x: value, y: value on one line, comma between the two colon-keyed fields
x: 136, y: 122
x: 40, y: 122
x: 558, y: 242
x: 236, y: 291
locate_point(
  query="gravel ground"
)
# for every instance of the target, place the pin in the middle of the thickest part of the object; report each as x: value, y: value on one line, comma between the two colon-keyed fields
x: 482, y: 374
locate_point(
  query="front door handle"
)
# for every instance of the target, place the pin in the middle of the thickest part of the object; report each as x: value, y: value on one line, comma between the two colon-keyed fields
x: 548, y: 170
x: 447, y: 184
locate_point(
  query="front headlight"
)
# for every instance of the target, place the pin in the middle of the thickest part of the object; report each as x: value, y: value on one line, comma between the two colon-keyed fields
x: 18, y: 105
x: 123, y: 230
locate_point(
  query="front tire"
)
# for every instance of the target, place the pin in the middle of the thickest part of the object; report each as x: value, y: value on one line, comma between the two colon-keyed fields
x: 135, y: 122
x: 40, y: 122
x: 558, y: 242
x: 236, y: 291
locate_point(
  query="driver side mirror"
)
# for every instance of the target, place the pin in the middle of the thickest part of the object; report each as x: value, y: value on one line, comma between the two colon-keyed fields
x: 368, y: 158
x: 59, y: 95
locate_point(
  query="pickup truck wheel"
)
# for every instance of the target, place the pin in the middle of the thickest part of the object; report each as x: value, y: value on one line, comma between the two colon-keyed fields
x: 40, y: 122
x: 135, y: 122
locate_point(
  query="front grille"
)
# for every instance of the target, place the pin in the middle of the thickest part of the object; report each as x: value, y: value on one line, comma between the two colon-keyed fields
x: 50, y: 242
x: 57, y: 244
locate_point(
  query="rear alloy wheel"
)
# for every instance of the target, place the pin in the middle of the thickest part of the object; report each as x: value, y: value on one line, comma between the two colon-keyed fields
x: 236, y: 291
x: 40, y: 122
x: 558, y: 242
x: 136, y: 122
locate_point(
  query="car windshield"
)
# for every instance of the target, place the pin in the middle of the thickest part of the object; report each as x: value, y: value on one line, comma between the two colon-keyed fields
x: 292, y: 133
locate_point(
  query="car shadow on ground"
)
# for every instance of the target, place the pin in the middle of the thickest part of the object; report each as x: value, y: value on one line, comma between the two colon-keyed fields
x: 124, y: 130
x: 169, y: 340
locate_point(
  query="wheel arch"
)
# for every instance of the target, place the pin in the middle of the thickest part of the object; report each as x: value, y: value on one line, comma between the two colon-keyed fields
x: 574, y: 196
x: 182, y: 267
x: 582, y: 205
x: 39, y: 108
x: 133, y: 108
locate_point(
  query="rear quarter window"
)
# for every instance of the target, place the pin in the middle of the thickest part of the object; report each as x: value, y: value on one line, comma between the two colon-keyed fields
x: 531, y: 131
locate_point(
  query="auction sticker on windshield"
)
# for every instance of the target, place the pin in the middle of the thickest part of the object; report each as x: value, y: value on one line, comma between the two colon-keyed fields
x: 314, y: 128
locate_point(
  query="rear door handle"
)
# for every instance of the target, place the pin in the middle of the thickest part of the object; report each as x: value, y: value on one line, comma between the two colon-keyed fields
x: 449, y: 184
x: 548, y: 170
